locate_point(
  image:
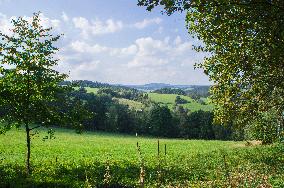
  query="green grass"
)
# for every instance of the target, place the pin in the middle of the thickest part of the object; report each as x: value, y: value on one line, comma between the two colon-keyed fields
x: 132, y: 104
x: 169, y: 100
x: 78, y: 160
x: 89, y: 89
x: 92, y: 90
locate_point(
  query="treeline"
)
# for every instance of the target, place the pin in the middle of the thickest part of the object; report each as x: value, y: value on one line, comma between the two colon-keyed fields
x: 117, y: 91
x: 196, y: 92
x: 86, y: 83
x: 107, y: 114
x: 170, y: 91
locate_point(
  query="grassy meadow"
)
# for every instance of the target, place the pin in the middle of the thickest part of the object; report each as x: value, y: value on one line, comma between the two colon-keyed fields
x: 89, y: 89
x: 169, y: 100
x: 102, y: 160
x: 131, y: 103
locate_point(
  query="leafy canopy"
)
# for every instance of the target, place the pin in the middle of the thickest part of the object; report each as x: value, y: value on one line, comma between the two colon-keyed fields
x: 28, y: 82
x: 245, y: 43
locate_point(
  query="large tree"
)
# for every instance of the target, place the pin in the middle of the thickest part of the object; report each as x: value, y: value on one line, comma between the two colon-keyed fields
x: 244, y: 43
x: 28, y: 84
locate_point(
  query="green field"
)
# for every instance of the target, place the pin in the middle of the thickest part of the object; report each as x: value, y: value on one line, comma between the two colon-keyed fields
x: 132, y: 104
x: 89, y: 89
x: 169, y: 100
x: 80, y: 160
x: 92, y: 90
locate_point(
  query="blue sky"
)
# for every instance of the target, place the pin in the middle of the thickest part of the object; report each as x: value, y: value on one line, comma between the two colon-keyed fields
x: 115, y: 41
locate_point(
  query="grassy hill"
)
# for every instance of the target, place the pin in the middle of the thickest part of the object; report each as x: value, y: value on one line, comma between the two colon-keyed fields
x: 131, y: 103
x: 89, y: 89
x: 169, y: 100
x: 92, y: 90
x: 82, y: 160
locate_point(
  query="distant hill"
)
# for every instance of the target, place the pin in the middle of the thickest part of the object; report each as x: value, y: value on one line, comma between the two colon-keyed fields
x: 155, y: 86
x: 145, y: 87
x: 136, y: 96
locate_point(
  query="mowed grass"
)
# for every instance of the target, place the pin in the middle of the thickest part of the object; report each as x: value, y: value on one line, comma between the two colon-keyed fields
x: 81, y: 159
x: 169, y: 100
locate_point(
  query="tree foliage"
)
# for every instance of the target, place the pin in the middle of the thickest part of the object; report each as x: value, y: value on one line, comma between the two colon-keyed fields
x: 28, y: 83
x: 244, y: 43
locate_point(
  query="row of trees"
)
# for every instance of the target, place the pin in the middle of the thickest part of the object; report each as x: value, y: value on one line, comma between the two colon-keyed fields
x: 170, y: 91
x: 196, y: 92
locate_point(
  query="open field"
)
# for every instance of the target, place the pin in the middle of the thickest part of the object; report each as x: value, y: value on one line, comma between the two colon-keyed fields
x: 89, y: 89
x: 80, y: 160
x: 169, y: 100
x: 131, y: 103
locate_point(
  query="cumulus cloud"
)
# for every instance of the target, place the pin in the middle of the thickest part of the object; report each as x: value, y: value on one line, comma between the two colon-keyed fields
x: 153, y: 52
x: 145, y: 60
x: 147, y: 22
x: 100, y: 27
x: 84, y: 47
x: 97, y: 27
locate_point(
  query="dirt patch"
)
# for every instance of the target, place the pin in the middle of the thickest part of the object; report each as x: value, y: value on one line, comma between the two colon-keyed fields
x: 253, y: 143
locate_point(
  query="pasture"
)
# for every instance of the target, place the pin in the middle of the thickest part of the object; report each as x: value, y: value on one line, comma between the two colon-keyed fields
x: 169, y: 100
x: 101, y: 159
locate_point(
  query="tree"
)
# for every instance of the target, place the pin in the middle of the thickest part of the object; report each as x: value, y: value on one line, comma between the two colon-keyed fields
x: 161, y: 122
x: 245, y: 43
x: 180, y: 100
x: 28, y: 84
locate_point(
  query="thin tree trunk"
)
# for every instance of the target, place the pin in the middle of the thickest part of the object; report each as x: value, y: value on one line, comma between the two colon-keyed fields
x: 281, y: 127
x: 28, y: 156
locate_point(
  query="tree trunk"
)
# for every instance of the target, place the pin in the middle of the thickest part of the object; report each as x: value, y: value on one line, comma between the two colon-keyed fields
x: 28, y: 168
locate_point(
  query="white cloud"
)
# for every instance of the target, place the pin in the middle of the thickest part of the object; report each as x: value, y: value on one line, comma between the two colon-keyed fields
x: 5, y: 24
x: 145, y: 52
x: 64, y: 17
x: 130, y: 50
x: 153, y: 52
x: 147, y: 22
x: 97, y: 27
x: 100, y: 27
x: 86, y: 48
x: 83, y: 47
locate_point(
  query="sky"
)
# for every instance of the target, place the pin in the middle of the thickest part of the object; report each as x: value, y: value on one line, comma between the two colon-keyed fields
x: 115, y: 41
